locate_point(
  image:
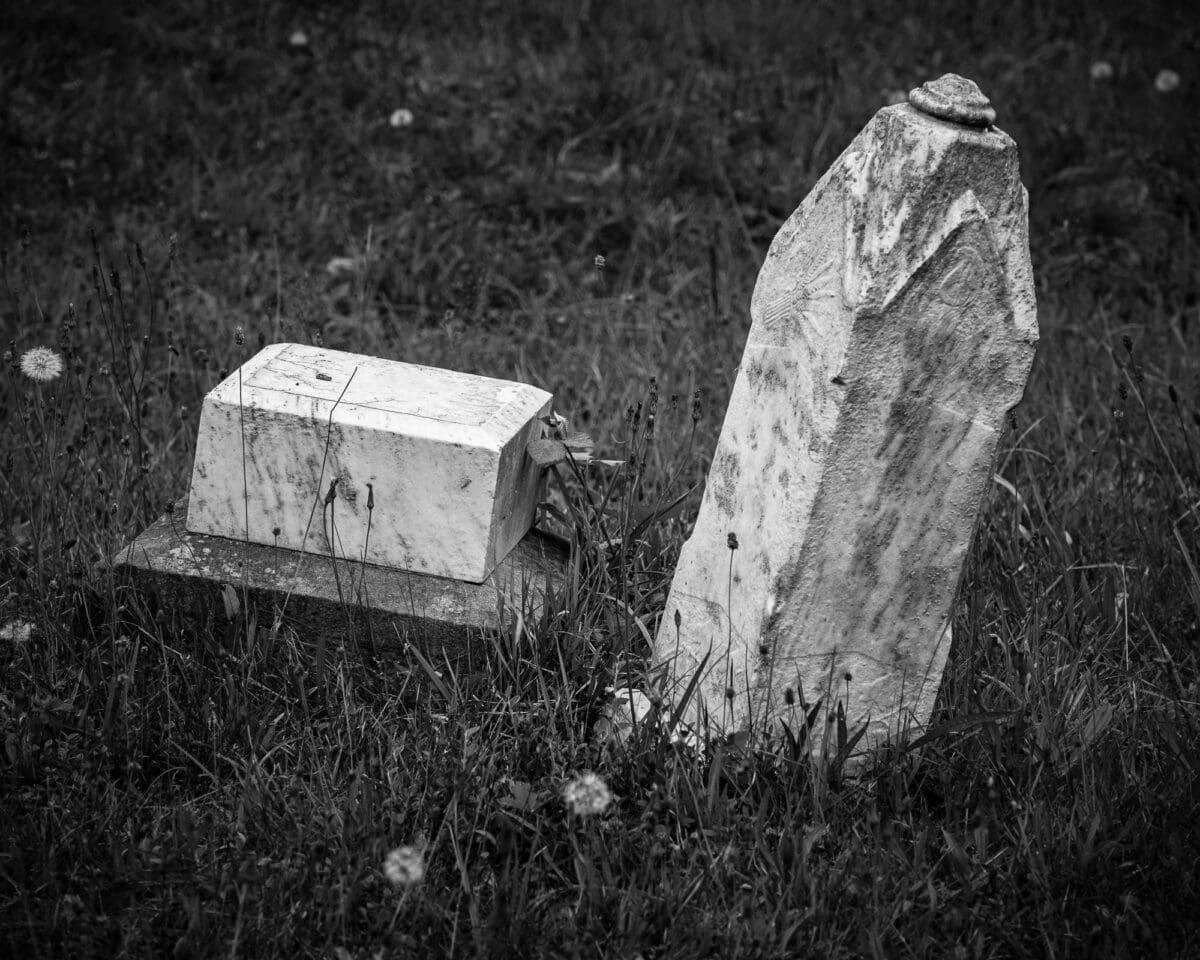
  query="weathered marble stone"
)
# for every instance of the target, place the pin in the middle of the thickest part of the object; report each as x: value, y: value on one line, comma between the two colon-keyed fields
x: 326, y: 601
x: 430, y: 465
x: 894, y: 326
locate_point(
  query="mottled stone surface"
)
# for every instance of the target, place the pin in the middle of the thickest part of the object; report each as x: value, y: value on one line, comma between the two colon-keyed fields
x: 894, y: 326
x: 434, y: 460
x: 325, y: 599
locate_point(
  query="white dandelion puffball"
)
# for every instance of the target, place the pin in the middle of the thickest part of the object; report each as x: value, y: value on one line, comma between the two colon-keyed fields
x: 587, y: 794
x: 1101, y: 71
x: 401, y: 118
x: 17, y: 631
x: 41, y: 364
x: 298, y: 38
x: 404, y: 866
x: 1166, y: 81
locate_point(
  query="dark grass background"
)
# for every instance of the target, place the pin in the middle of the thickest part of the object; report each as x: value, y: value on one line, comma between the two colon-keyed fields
x: 168, y: 792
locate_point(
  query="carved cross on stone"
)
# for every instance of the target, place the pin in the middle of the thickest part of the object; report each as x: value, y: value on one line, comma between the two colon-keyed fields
x: 894, y: 326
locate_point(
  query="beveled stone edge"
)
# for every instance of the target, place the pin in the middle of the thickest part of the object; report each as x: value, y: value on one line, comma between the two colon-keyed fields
x: 171, y: 560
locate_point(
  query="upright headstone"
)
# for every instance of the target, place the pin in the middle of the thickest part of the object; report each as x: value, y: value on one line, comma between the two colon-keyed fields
x: 894, y: 326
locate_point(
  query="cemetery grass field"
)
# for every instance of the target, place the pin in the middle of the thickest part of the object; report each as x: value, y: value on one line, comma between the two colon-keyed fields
x: 580, y: 197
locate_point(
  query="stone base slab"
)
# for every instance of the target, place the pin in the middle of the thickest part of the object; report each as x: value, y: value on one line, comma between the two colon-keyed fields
x: 381, y: 608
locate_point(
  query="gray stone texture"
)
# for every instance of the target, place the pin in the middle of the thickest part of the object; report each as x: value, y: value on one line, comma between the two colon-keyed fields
x: 894, y: 326
x: 380, y: 608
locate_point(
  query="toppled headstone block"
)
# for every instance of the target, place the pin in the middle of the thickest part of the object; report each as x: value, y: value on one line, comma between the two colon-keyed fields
x: 894, y: 326
x: 405, y: 466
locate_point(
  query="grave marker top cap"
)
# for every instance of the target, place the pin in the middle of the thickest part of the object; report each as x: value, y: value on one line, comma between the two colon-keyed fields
x: 954, y: 98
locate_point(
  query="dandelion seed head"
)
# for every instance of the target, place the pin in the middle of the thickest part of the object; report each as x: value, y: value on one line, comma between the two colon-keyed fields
x: 587, y: 794
x: 298, y: 38
x: 401, y: 117
x: 41, y: 364
x: 404, y: 866
x: 17, y: 631
x: 1101, y: 71
x: 1166, y: 81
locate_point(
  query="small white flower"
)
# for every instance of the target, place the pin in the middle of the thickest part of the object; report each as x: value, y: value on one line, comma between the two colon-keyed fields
x: 401, y: 118
x: 341, y: 266
x: 1166, y: 81
x: 17, y: 631
x: 404, y: 866
x: 600, y: 261
x: 298, y: 38
x: 41, y: 364
x: 1101, y: 71
x: 587, y: 794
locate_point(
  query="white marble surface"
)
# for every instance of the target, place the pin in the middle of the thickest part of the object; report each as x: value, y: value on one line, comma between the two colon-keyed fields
x: 439, y: 454
x: 894, y: 326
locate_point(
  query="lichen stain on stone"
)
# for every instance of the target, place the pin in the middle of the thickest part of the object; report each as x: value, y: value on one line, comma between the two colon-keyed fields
x: 715, y: 612
x: 723, y: 480
x: 310, y: 475
x: 901, y: 653
x: 346, y: 490
x: 766, y: 374
x: 872, y: 536
x: 777, y: 431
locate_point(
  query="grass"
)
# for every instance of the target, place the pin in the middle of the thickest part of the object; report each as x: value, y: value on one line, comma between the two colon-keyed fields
x: 197, y: 793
